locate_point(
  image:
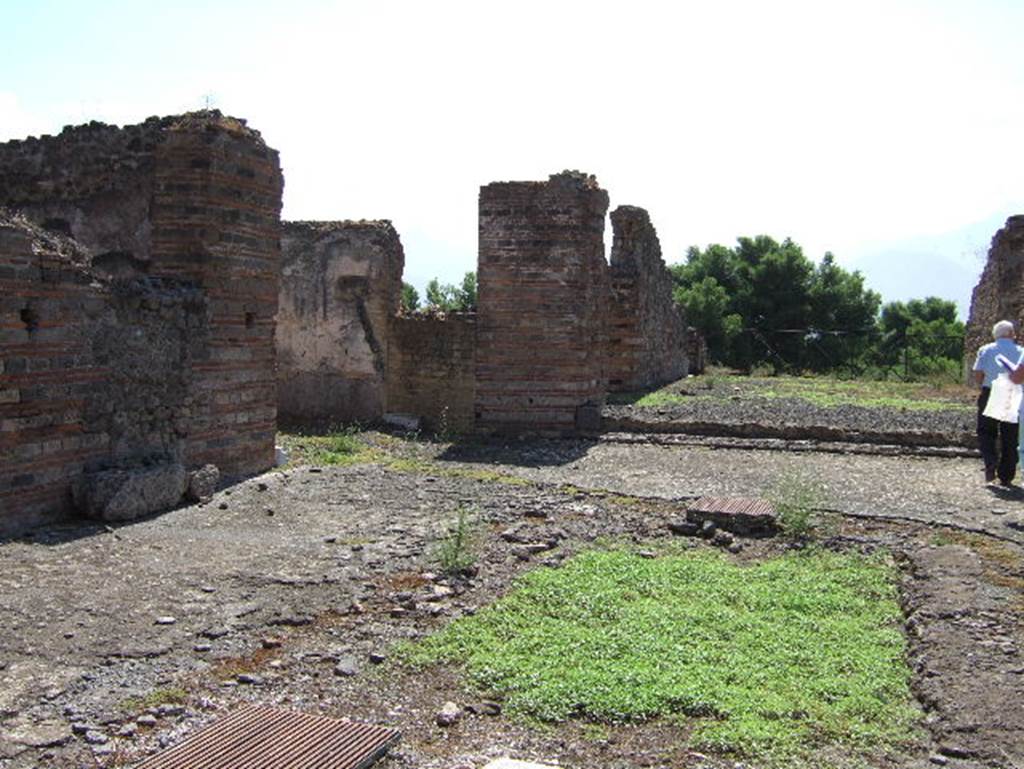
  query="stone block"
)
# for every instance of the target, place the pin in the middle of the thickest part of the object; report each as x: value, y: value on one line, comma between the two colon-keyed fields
x: 202, y: 483
x: 127, y: 494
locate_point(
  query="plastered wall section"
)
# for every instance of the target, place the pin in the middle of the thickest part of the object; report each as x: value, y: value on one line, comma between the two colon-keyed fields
x: 542, y: 304
x: 433, y: 370
x: 999, y: 294
x: 647, y: 344
x: 341, y: 284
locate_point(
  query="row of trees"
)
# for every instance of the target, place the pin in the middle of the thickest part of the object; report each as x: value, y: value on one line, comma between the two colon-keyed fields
x: 765, y: 303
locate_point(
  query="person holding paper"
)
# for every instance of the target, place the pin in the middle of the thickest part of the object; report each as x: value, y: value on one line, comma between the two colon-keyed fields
x: 1001, y: 357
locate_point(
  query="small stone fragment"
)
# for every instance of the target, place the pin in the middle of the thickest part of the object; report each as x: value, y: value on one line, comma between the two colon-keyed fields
x: 165, y: 620
x: 251, y: 679
x: 346, y: 667
x: 202, y: 483
x: 96, y: 738
x: 146, y: 720
x: 448, y: 715
x: 376, y: 658
x: 684, y: 528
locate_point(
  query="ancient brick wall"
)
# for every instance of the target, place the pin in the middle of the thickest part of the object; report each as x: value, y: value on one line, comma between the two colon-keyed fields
x: 647, y: 332
x: 93, y: 370
x: 432, y: 369
x: 152, y: 335
x: 216, y: 221
x: 543, y: 298
x: 341, y: 284
x: 999, y: 294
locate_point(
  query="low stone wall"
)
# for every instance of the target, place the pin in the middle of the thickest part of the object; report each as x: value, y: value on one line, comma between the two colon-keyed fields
x: 432, y: 369
x: 999, y: 294
x: 341, y: 284
x: 647, y: 344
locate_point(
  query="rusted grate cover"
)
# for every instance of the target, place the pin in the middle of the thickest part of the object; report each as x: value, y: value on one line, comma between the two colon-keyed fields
x: 741, y: 515
x: 260, y: 737
x: 734, y: 505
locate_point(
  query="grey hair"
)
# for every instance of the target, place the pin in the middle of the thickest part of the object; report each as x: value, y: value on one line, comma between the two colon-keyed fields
x: 1002, y: 329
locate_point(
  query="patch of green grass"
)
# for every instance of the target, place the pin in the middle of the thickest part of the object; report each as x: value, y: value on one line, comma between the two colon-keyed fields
x: 166, y: 696
x: 339, y: 447
x: 775, y: 660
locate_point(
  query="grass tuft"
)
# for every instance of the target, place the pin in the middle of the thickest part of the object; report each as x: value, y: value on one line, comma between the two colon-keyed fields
x: 774, y: 660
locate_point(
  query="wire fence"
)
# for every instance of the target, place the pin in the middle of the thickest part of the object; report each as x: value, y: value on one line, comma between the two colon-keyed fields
x: 861, y: 352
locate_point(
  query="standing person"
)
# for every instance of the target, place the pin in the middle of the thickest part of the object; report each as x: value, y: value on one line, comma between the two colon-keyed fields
x: 1001, y: 462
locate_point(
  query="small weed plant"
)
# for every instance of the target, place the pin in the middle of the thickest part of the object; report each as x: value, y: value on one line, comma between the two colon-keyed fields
x: 456, y: 550
x: 795, y: 497
x: 342, y: 446
x: 774, y: 661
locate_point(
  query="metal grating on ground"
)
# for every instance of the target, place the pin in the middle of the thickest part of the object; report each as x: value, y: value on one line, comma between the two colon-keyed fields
x: 733, y: 505
x: 260, y: 737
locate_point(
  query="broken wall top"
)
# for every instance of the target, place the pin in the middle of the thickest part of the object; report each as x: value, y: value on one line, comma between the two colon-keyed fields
x: 96, y: 182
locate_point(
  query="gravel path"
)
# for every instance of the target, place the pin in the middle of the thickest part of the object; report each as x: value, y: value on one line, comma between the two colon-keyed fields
x: 926, y: 489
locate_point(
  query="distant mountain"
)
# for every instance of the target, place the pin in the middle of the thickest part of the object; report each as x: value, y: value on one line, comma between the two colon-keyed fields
x: 946, y: 265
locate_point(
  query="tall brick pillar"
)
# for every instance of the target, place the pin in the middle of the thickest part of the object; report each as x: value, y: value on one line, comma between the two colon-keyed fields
x: 542, y: 305
x: 216, y: 221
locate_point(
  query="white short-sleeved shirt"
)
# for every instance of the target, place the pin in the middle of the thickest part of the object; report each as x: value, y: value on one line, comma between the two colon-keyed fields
x: 986, y: 360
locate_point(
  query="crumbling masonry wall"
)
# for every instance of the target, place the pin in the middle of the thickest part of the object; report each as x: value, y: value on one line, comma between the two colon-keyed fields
x: 153, y: 333
x: 999, y: 294
x: 543, y: 295
x: 432, y: 369
x: 647, y: 333
x: 94, y: 370
x: 341, y: 285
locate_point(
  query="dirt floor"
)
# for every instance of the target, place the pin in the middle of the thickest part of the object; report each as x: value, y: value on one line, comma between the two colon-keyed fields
x: 290, y: 589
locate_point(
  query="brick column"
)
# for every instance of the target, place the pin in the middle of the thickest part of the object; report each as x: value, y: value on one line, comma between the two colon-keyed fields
x: 542, y: 304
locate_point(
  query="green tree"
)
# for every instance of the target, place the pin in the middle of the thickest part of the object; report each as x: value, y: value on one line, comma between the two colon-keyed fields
x: 842, y: 317
x: 448, y: 298
x: 922, y: 336
x: 764, y: 301
x: 410, y: 297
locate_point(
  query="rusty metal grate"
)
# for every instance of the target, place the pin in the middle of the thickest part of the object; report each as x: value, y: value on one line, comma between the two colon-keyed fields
x: 733, y: 505
x: 260, y: 737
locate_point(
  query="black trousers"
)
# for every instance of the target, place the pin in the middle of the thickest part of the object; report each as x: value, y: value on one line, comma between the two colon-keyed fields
x: 1003, y: 461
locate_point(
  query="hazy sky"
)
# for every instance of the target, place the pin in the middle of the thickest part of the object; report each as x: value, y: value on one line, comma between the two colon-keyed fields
x: 886, y: 132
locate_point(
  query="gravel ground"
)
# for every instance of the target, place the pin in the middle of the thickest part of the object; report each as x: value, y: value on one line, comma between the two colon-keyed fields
x: 285, y: 588
x: 738, y: 409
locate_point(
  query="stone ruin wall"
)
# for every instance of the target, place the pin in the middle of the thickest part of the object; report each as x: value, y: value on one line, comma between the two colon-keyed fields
x: 150, y: 335
x: 341, y: 285
x: 555, y: 322
x: 542, y: 299
x: 647, y: 343
x: 999, y: 294
x: 432, y: 369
